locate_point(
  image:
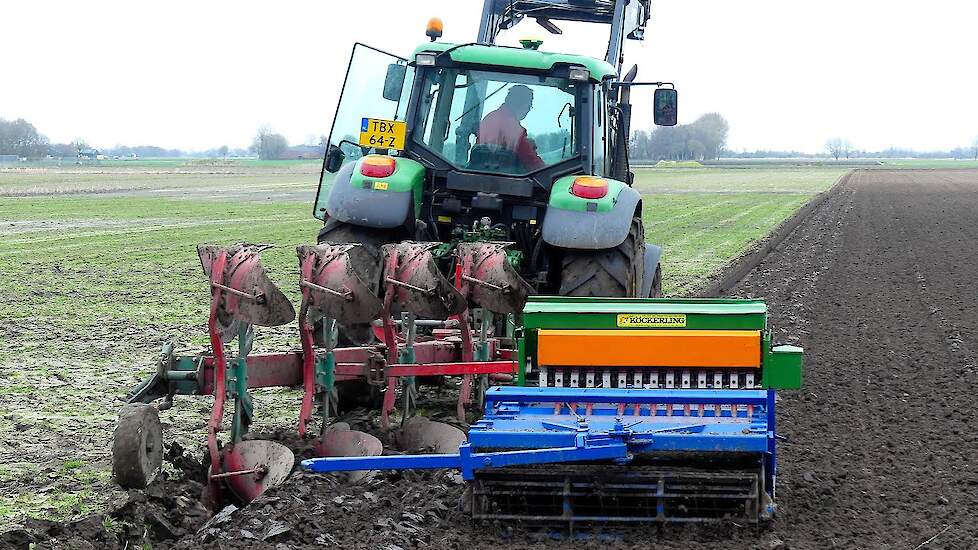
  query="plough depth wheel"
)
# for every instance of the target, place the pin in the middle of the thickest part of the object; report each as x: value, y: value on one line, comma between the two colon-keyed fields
x: 137, y: 447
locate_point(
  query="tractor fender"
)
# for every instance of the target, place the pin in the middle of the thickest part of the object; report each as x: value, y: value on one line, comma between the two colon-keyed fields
x: 653, y: 253
x: 590, y: 230
x: 382, y: 203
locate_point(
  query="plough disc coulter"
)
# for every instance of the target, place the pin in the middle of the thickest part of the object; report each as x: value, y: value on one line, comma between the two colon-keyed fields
x: 622, y: 410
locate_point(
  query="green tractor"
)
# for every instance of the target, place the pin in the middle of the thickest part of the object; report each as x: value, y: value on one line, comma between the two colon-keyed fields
x: 485, y: 143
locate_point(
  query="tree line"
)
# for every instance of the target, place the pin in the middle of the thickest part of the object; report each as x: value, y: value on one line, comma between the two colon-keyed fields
x: 704, y: 139
x: 20, y: 138
x: 842, y: 148
x: 839, y: 147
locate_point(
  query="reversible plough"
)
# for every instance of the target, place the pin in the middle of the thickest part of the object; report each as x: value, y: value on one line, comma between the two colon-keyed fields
x: 592, y: 409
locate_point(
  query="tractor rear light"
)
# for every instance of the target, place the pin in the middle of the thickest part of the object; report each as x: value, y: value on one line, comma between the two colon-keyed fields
x: 589, y: 187
x: 377, y: 166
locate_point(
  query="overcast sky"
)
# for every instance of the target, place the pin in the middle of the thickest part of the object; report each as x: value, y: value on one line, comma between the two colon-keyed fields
x: 197, y: 75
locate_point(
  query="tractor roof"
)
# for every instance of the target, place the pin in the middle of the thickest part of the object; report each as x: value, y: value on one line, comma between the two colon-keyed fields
x: 520, y: 58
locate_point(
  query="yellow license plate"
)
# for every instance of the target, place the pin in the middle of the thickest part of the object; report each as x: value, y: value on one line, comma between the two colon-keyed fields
x: 385, y: 134
x: 652, y: 320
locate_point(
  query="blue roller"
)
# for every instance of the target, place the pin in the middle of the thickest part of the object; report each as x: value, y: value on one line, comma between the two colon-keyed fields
x: 626, y: 429
x: 543, y: 429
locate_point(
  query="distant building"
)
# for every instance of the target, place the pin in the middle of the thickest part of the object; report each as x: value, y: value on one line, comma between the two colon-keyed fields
x: 302, y: 152
x: 8, y: 160
x: 89, y: 154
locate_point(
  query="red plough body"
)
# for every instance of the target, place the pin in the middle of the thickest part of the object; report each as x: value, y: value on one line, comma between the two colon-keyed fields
x: 333, y: 294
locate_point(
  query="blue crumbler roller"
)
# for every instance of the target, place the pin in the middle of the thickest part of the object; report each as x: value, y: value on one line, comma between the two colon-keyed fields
x: 626, y: 410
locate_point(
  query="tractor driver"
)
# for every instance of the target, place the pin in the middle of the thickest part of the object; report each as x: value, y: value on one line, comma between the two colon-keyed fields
x: 502, y: 127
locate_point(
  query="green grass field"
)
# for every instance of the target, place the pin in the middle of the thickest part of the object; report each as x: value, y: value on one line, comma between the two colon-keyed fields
x: 705, y: 217
x: 98, y: 268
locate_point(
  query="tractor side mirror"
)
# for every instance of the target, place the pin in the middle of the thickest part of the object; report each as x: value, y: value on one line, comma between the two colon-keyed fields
x: 394, y: 81
x: 665, y: 108
x: 334, y: 159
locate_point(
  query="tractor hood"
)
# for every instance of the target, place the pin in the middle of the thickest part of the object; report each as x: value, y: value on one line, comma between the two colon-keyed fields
x: 506, y: 57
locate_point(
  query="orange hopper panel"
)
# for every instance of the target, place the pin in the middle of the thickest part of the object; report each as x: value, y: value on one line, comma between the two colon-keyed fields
x: 649, y: 348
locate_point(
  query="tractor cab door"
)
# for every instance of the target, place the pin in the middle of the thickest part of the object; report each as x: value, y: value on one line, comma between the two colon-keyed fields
x: 376, y: 89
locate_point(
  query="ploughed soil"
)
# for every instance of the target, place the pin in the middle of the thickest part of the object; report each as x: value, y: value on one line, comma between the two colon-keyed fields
x: 881, y: 448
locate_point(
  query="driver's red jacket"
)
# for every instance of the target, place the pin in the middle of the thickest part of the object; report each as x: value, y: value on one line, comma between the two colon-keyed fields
x: 501, y: 127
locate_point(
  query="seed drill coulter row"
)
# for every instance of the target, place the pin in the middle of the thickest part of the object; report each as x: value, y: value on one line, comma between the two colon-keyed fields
x: 592, y: 409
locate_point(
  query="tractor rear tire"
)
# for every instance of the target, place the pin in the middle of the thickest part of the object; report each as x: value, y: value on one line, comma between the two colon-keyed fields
x: 367, y: 260
x: 656, y: 291
x: 612, y: 272
x: 137, y: 446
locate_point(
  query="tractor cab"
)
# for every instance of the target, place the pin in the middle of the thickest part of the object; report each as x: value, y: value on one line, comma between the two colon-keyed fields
x: 480, y: 142
x: 484, y: 119
x: 516, y: 119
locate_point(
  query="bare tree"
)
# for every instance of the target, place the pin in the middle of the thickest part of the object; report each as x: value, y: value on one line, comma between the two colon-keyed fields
x: 80, y: 145
x: 974, y: 147
x: 256, y: 145
x: 269, y: 145
x: 223, y: 151
x: 711, y: 131
x: 836, y: 147
x: 21, y: 138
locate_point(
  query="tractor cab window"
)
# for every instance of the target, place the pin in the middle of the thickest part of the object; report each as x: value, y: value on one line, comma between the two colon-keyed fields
x: 497, y: 122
